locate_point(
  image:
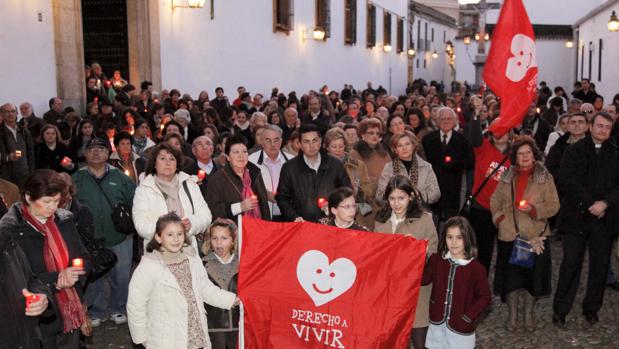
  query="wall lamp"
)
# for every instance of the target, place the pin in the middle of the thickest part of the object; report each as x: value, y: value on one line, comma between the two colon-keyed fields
x: 318, y: 34
x: 613, y: 24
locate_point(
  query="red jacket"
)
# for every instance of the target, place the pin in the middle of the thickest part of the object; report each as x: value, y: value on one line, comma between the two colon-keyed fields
x: 459, y: 293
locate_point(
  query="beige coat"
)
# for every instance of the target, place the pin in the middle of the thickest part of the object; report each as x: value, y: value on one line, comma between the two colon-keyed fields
x: 540, y: 193
x: 421, y: 229
x: 427, y: 184
x: 156, y: 307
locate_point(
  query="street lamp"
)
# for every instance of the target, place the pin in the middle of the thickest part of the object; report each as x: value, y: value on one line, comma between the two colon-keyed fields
x: 318, y: 34
x: 435, y: 54
x: 411, y: 52
x: 467, y: 40
x: 613, y: 24
x: 387, y: 48
x: 190, y: 4
x: 569, y: 44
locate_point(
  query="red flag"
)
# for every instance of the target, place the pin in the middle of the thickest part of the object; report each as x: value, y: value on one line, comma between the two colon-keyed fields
x: 511, y: 68
x: 305, y: 285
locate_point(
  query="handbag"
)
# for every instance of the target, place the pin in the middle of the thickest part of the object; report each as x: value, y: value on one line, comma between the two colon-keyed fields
x: 121, y: 215
x: 466, y: 208
x: 102, y: 259
x: 522, y: 253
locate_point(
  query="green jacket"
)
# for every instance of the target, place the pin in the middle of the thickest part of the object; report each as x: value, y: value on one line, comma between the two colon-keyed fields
x: 117, y: 186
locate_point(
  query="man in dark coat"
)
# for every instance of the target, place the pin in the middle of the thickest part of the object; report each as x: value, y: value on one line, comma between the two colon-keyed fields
x: 32, y: 123
x: 317, y: 116
x: 536, y: 127
x: 578, y: 128
x: 55, y: 114
x: 17, y: 147
x: 589, y: 181
x: 202, y: 148
x: 308, y: 178
x: 450, y: 155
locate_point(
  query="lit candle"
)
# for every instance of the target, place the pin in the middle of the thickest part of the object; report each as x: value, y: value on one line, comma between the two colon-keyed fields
x: 447, y: 159
x: 254, y: 197
x: 161, y: 127
x: 522, y: 203
x: 32, y: 298
x: 78, y: 263
x: 18, y: 153
x: 322, y: 202
x: 537, y: 110
x: 127, y: 172
x: 65, y: 161
x: 201, y: 175
x: 458, y: 109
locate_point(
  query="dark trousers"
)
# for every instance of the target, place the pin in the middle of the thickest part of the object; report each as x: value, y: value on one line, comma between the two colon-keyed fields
x: 224, y: 340
x: 485, y: 233
x: 599, y: 241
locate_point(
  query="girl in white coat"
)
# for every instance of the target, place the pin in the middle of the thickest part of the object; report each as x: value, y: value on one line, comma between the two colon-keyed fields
x: 167, y: 290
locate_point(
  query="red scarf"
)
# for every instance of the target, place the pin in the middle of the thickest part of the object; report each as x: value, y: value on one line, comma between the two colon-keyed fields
x: 56, y: 257
x: 522, y: 179
x: 247, y: 192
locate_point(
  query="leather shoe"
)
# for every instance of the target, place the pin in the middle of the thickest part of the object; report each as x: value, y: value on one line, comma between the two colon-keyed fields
x: 558, y: 320
x: 591, y: 317
x: 614, y: 285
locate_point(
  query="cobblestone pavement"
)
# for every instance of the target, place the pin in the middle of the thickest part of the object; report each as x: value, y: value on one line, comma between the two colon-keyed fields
x: 491, y: 333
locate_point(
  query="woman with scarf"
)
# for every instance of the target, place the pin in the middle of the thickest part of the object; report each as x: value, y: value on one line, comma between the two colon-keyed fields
x: 49, y: 240
x: 167, y: 189
x: 238, y: 187
x: 408, y: 163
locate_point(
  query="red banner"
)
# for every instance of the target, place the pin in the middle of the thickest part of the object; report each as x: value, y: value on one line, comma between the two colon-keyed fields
x: 511, y: 68
x: 305, y: 285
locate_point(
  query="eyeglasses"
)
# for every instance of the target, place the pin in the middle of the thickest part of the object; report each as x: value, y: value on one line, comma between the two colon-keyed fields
x: 349, y: 207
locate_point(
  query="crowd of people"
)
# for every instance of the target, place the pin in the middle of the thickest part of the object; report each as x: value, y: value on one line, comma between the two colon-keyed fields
x: 126, y: 212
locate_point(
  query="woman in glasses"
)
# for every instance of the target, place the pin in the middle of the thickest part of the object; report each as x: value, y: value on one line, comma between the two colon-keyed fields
x: 342, y: 210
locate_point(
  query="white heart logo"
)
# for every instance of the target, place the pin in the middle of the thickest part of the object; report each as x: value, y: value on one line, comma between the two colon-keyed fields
x: 322, y: 281
x: 524, y: 57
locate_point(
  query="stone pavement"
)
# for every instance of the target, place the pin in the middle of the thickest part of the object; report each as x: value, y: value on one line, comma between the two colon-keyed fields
x: 491, y: 333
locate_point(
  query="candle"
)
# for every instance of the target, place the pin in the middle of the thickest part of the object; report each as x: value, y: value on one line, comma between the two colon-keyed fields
x: 254, y: 197
x: 458, y: 109
x: 127, y: 172
x: 78, y: 263
x: 161, y: 127
x: 201, y: 175
x: 32, y: 298
x: 447, y: 159
x: 65, y: 161
x: 537, y: 110
x: 322, y: 202
x: 18, y: 153
x: 522, y: 203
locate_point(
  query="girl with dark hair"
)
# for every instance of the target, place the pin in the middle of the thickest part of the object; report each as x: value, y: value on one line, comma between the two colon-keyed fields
x: 403, y: 213
x: 460, y: 291
x: 171, y: 277
x: 49, y: 240
x: 524, y: 199
x: 222, y: 266
x: 77, y: 145
x: 342, y: 210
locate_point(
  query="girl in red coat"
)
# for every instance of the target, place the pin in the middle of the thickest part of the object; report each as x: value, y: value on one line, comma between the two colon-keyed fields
x: 460, y: 291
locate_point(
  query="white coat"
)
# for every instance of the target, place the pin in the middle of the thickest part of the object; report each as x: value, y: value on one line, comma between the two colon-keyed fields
x: 156, y: 307
x: 149, y: 204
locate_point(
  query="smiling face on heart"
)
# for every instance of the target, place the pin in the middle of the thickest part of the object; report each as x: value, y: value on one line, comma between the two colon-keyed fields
x: 524, y: 57
x: 322, y: 281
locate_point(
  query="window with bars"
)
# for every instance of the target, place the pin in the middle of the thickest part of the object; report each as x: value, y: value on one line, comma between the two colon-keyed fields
x: 386, y: 28
x: 323, y: 16
x: 400, y: 35
x: 350, y: 22
x: 283, y: 15
x: 371, y: 26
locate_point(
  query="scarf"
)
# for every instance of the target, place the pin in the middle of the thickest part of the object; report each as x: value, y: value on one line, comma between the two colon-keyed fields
x: 139, y: 145
x: 247, y: 192
x: 413, y: 174
x: 56, y: 257
x: 522, y: 179
x: 170, y: 194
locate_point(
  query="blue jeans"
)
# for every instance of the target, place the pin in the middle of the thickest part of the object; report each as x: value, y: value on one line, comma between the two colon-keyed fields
x: 100, y: 302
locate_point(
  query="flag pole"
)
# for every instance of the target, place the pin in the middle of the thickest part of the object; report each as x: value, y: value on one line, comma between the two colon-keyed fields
x: 241, y: 309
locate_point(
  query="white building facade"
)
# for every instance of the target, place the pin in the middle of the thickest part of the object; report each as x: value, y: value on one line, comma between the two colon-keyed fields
x: 598, y: 50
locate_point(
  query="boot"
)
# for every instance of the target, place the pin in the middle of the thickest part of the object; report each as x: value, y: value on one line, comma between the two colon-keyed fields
x: 529, y: 313
x: 512, y: 307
